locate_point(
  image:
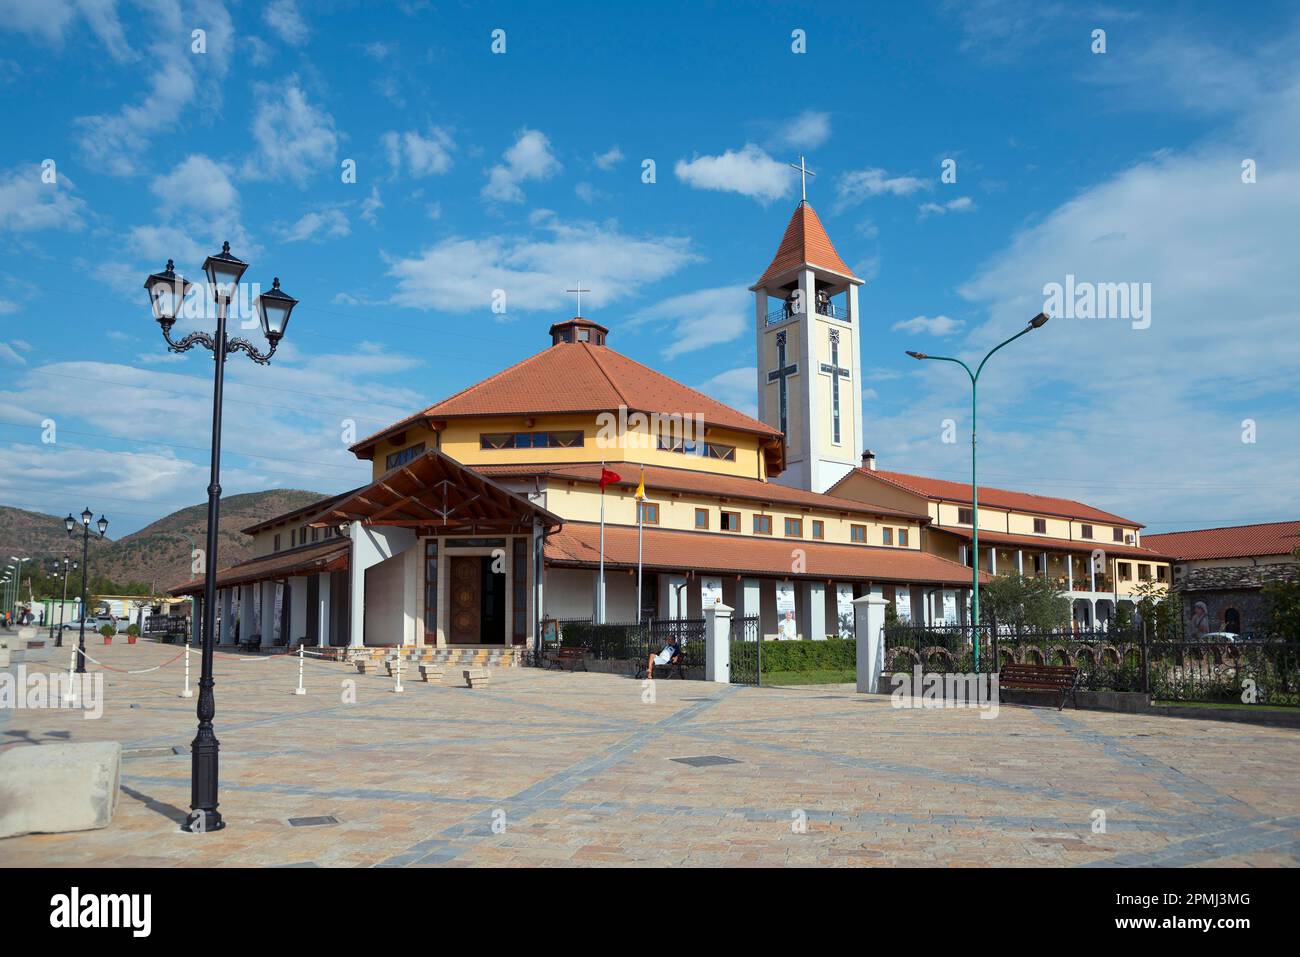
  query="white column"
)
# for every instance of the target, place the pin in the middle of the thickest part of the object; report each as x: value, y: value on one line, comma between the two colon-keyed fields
x: 1020, y: 563
x: 869, y: 623
x: 323, y: 609
x: 1069, y: 571
x: 993, y: 560
x: 297, y: 610
x: 227, y: 618
x: 814, y: 610
x: 267, y: 625
x: 717, y: 643
x: 1092, y: 579
x: 749, y: 599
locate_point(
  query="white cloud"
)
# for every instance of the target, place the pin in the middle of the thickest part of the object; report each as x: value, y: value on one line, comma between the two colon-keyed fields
x: 928, y: 325
x: 371, y: 206
x: 422, y: 155
x: 807, y: 131
x: 858, y: 186
x: 748, y: 171
x: 198, y: 184
x: 697, y: 320
x: 734, y: 387
x: 529, y: 158
x: 294, y: 138
x: 27, y: 203
x: 49, y: 20
x: 8, y: 353
x: 608, y: 159
x: 317, y: 226
x: 283, y: 17
x: 962, y: 204
x: 459, y: 275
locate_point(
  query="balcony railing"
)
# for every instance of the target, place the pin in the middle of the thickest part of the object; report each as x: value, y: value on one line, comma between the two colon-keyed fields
x: 823, y: 309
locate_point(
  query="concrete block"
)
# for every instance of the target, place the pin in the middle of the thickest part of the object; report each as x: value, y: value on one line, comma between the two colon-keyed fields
x: 52, y: 788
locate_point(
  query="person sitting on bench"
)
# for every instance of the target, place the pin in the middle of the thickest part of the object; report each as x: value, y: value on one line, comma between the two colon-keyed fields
x: 672, y: 651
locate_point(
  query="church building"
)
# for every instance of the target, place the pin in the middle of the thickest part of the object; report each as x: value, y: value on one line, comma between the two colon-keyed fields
x: 482, y: 519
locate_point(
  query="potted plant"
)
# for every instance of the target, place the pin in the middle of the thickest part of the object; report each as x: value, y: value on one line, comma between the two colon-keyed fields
x: 132, y: 633
x: 107, y: 632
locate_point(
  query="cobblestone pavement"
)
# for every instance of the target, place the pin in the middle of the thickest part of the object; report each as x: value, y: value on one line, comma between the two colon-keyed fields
x: 577, y: 769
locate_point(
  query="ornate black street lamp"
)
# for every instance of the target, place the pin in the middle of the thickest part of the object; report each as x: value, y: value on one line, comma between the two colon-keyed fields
x: 70, y: 523
x: 167, y: 294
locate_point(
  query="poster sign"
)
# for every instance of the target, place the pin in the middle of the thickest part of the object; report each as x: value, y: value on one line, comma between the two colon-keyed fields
x: 786, y: 626
x: 949, y: 607
x: 844, y: 610
x: 710, y: 592
x: 903, y: 604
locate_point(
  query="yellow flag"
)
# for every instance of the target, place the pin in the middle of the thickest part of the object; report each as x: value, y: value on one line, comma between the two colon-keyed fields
x: 640, y: 489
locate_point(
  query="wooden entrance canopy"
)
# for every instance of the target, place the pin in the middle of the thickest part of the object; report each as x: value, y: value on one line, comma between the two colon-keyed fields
x: 436, y: 495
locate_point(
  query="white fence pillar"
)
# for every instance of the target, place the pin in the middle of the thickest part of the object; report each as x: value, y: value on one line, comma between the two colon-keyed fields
x: 717, y: 643
x: 869, y: 619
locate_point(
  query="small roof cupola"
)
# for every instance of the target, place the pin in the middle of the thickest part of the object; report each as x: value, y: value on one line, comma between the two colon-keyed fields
x: 578, y: 329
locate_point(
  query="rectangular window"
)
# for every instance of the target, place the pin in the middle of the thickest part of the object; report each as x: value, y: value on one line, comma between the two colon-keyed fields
x: 725, y: 452
x: 275, y: 543
x: 729, y: 521
x: 1125, y: 571
x: 887, y: 536
x: 1162, y: 572
x: 965, y: 516
x: 818, y: 529
x: 431, y: 588
x: 794, y: 528
x: 1117, y: 534
x: 1144, y: 572
x: 701, y: 518
x: 1040, y: 525
x: 858, y: 534
x: 649, y: 513
x: 1085, y: 531
x: 315, y: 534
x: 713, y: 450
x: 902, y: 537
x: 762, y: 524
x: 531, y: 440
x: 403, y: 456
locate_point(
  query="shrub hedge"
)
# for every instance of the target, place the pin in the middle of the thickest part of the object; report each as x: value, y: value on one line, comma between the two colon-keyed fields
x: 829, y: 655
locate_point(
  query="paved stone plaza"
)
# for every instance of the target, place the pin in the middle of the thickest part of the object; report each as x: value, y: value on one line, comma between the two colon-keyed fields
x: 575, y: 769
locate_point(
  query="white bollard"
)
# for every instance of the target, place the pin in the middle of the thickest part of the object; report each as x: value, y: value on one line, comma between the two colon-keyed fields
x: 187, y: 693
x: 71, y: 694
x: 398, y: 673
x: 300, y: 689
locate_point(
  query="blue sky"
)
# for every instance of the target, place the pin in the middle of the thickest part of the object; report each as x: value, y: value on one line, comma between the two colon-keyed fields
x: 522, y: 171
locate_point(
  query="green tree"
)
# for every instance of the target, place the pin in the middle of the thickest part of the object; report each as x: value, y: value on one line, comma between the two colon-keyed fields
x: 1160, y: 607
x: 1281, y: 617
x: 1024, y: 602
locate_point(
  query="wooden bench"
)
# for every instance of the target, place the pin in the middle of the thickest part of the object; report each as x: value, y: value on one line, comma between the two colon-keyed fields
x: 677, y: 661
x: 1062, y: 678
x: 477, y: 677
x: 431, y: 672
x: 574, y: 655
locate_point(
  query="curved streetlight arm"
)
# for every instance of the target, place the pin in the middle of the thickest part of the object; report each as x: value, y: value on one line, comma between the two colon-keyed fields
x: 997, y: 347
x: 238, y: 344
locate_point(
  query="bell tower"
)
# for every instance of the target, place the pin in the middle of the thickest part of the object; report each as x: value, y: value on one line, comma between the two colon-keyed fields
x: 809, y: 373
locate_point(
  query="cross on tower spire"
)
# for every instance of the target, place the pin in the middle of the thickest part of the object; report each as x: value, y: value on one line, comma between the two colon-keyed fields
x: 579, y: 290
x: 804, y: 173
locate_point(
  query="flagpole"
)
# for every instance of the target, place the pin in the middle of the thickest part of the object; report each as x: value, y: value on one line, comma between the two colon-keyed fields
x: 600, y: 595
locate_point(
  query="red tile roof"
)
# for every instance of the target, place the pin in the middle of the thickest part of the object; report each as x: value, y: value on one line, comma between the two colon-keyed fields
x: 330, y: 555
x: 578, y: 543
x: 1236, y: 541
x: 581, y: 377
x: 661, y: 479
x: 805, y: 242
x: 1041, y: 543
x: 990, y: 497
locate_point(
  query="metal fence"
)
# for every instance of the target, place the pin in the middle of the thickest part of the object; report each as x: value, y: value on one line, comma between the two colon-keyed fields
x: 1253, y: 671
x: 635, y: 641
x: 746, y: 651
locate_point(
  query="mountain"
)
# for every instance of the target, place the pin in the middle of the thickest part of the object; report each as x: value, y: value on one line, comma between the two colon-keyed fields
x: 158, y: 555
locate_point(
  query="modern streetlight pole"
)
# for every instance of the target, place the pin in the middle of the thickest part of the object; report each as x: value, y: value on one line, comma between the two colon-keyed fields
x: 18, y: 588
x: 68, y: 567
x: 1035, y: 323
x: 70, y: 523
x: 167, y: 294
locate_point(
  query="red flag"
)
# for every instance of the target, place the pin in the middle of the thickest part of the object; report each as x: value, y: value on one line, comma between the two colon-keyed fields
x: 608, y: 478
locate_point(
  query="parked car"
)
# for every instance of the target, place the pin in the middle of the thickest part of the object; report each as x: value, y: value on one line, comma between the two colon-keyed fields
x: 95, y: 623
x: 1220, y: 636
